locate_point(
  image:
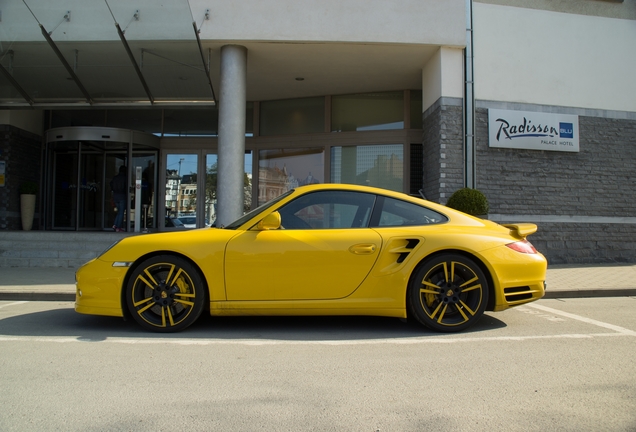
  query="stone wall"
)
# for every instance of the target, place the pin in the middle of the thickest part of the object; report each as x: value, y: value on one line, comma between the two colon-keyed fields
x: 584, y: 203
x: 443, y: 142
x: 586, y: 243
x: 590, y: 196
x: 20, y: 150
x: 600, y: 180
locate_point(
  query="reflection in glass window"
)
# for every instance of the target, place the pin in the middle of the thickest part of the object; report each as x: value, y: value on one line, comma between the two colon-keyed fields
x: 280, y: 170
x: 401, y: 213
x: 368, y: 111
x: 181, y: 176
x: 211, y: 176
x: 380, y: 166
x: 328, y: 210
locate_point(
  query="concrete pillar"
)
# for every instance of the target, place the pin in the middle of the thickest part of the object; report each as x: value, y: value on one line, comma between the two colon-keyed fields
x: 232, y: 103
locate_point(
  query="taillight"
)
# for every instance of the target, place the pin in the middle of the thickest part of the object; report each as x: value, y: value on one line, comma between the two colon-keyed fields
x: 523, y: 246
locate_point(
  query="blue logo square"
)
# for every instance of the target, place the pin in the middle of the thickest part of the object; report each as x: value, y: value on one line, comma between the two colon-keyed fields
x: 566, y: 130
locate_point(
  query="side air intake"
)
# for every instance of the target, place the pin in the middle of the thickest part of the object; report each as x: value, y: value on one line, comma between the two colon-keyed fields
x: 405, y: 250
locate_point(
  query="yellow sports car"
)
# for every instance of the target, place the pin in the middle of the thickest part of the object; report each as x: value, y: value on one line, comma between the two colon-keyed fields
x: 329, y: 249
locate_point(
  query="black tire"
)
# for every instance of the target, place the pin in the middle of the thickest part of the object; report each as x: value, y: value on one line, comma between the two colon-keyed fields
x: 165, y: 294
x: 447, y: 293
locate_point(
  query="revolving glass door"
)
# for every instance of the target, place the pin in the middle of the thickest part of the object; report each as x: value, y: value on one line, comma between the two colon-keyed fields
x: 79, y: 174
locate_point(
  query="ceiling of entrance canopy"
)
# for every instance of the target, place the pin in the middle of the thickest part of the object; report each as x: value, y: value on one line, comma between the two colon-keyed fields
x: 157, y: 60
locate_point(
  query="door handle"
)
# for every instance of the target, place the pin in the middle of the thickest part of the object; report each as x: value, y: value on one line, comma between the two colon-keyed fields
x: 363, y: 249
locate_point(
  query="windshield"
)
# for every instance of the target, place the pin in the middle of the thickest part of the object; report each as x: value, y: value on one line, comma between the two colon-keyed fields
x: 247, y: 216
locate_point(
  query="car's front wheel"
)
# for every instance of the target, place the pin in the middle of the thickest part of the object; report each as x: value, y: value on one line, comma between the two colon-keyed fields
x: 165, y: 294
x: 448, y: 293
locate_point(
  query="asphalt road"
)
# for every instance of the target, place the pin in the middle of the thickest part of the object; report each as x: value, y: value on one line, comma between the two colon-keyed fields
x: 559, y: 365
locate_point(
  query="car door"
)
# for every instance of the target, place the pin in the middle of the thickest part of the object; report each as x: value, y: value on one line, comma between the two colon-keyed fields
x: 323, y: 250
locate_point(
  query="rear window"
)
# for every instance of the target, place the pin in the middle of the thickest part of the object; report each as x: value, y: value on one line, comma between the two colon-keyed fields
x: 396, y: 212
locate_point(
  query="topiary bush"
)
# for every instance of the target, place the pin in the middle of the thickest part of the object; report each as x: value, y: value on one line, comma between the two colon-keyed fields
x: 29, y: 188
x: 469, y: 201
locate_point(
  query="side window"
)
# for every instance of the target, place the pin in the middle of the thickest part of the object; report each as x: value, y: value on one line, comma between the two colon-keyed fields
x: 328, y: 210
x: 401, y: 213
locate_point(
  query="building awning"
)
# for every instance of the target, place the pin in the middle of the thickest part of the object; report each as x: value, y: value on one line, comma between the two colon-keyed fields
x: 102, y: 53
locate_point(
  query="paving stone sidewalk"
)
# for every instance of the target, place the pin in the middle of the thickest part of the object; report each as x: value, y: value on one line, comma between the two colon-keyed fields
x: 563, y: 281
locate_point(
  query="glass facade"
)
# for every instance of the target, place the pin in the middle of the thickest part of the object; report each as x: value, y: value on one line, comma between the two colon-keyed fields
x: 369, y: 165
x: 180, y: 122
x: 292, y: 116
x: 285, y: 162
x: 366, y: 112
x: 185, y: 205
x: 187, y: 122
x: 280, y: 170
x: 79, y: 194
x: 181, y: 187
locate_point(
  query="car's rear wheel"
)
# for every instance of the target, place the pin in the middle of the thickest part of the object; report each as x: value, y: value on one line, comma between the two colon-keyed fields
x: 165, y: 294
x: 448, y: 293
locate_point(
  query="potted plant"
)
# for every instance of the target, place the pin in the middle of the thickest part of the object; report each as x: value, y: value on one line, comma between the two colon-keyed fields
x: 28, y: 190
x: 471, y: 201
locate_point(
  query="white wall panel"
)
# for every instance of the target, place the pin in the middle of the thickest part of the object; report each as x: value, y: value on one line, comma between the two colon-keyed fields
x: 551, y: 58
x: 433, y: 22
x: 443, y: 76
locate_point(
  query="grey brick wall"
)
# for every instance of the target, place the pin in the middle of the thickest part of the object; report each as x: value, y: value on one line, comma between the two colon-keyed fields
x: 599, y: 181
x: 443, y: 141
x: 586, y: 243
x: 20, y: 150
x: 596, y: 183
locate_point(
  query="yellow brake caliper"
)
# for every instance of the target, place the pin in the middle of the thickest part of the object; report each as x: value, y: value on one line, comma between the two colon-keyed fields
x: 183, y: 286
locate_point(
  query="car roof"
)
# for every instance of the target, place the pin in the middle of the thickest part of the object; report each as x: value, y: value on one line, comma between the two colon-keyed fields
x: 448, y: 212
x: 369, y: 189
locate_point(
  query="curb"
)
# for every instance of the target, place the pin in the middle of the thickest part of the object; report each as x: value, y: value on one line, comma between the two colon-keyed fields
x: 37, y: 296
x: 599, y: 292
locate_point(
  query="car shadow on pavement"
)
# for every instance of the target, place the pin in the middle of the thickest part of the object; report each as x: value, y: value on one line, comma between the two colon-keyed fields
x: 65, y: 322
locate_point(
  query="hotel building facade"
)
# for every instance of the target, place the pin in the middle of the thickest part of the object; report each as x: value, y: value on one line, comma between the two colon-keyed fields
x: 217, y: 106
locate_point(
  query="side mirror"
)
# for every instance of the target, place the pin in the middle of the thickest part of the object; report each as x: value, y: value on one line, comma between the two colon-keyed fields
x: 270, y: 222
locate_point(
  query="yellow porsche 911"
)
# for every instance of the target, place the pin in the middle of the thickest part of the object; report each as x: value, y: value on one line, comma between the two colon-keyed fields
x: 329, y: 249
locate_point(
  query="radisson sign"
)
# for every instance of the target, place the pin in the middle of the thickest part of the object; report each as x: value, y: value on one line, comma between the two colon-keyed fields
x: 533, y: 130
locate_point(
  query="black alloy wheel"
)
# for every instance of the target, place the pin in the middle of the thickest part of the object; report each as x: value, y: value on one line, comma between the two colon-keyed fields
x: 165, y: 294
x: 448, y: 293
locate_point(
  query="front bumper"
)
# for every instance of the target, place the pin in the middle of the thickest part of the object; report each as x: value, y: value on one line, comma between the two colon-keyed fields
x: 98, y: 288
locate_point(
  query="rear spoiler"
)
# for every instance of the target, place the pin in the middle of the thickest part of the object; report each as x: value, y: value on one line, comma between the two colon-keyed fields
x: 521, y: 230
